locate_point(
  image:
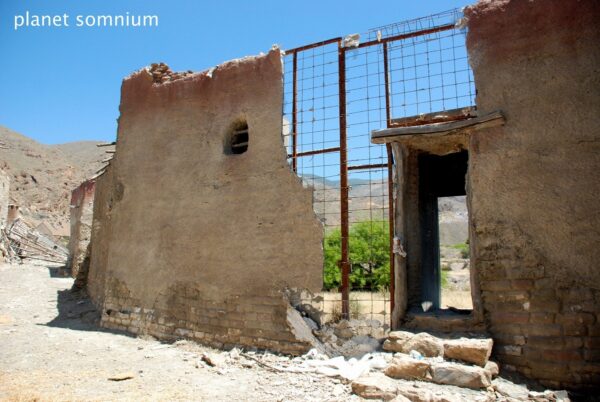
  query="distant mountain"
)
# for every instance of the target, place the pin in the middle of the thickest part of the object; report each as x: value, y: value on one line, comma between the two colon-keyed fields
x: 368, y: 200
x: 43, y: 176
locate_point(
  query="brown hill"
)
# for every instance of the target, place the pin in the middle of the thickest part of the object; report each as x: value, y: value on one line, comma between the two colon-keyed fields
x: 42, y: 176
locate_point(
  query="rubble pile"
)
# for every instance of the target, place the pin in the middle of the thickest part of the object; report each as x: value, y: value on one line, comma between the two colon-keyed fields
x: 352, y: 338
x: 433, y: 370
x: 427, y: 368
x: 161, y: 73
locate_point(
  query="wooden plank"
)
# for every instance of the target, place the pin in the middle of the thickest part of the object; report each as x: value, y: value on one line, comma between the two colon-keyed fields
x: 493, y: 119
x: 437, y: 117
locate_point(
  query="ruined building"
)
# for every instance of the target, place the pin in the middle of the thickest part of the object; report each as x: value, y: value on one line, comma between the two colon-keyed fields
x: 81, y: 209
x: 202, y: 226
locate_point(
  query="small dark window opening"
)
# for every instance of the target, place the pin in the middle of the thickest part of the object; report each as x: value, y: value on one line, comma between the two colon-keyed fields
x: 239, y: 139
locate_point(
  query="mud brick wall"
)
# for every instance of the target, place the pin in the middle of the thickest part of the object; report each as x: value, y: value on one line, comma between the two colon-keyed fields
x: 81, y: 209
x: 535, y: 182
x: 190, y: 239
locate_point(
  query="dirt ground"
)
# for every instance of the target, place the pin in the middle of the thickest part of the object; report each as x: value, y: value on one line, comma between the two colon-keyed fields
x: 50, y: 350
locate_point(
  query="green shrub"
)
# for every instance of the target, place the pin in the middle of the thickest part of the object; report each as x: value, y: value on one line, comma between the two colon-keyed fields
x: 369, y: 247
x: 464, y: 249
x: 444, y: 279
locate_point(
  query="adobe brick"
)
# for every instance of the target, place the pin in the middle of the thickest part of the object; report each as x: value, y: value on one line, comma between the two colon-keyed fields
x: 493, y: 286
x: 509, y: 318
x: 594, y: 330
x: 509, y: 340
x: 592, y: 342
x: 536, y: 272
x: 505, y: 306
x: 576, y: 318
x: 592, y: 355
x: 572, y: 342
x: 548, y: 370
x: 542, y: 329
x: 511, y: 350
x: 542, y: 304
x: 541, y: 318
x: 566, y: 355
x: 546, y: 342
x: 522, y: 284
x: 512, y: 329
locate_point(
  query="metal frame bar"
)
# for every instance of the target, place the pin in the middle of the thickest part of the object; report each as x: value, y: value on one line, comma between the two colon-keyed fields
x: 315, y: 152
x: 313, y: 45
x: 294, y: 114
x: 406, y: 36
x: 391, y: 215
x: 344, y: 263
x: 388, y: 106
x: 344, y: 215
x: 371, y: 166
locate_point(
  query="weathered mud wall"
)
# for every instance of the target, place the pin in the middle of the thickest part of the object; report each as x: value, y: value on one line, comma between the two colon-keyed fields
x: 190, y: 239
x: 535, y: 182
x: 81, y: 209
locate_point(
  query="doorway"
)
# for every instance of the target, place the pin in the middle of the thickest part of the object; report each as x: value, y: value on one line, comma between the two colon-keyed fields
x: 442, y: 187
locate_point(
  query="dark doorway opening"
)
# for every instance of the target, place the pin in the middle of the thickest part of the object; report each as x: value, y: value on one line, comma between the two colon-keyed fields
x: 439, y: 177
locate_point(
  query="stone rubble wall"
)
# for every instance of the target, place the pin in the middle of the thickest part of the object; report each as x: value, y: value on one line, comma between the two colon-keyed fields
x: 190, y: 240
x: 534, y: 185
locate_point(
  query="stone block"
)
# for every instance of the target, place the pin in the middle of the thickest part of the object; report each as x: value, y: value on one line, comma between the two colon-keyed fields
x: 375, y: 386
x: 408, y: 369
x: 425, y: 344
x: 460, y: 375
x: 476, y: 351
x: 492, y: 368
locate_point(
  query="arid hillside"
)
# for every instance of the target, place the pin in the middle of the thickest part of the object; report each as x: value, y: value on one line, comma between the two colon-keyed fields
x: 42, y: 176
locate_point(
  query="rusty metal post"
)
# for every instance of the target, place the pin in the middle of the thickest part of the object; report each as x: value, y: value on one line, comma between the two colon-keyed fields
x: 388, y: 113
x: 294, y: 114
x: 390, y: 160
x: 344, y: 262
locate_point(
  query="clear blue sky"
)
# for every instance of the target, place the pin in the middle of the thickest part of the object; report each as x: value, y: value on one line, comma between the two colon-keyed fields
x: 62, y: 84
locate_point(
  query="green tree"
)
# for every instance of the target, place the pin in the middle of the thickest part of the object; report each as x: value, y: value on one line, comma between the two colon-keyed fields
x: 369, y: 256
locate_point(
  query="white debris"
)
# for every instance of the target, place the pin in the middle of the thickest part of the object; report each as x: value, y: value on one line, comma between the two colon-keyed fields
x: 352, y: 40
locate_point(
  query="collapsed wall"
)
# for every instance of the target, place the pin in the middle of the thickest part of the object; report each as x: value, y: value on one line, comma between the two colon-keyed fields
x: 199, y: 224
x: 534, y: 184
x: 81, y: 210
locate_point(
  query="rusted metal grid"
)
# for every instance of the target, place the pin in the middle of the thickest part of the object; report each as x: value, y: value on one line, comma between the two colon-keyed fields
x: 335, y: 93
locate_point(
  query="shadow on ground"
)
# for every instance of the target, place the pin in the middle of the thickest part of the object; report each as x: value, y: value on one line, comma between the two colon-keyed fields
x: 76, y: 311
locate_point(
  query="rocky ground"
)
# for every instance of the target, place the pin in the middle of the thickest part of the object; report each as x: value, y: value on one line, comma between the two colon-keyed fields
x: 51, y: 350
